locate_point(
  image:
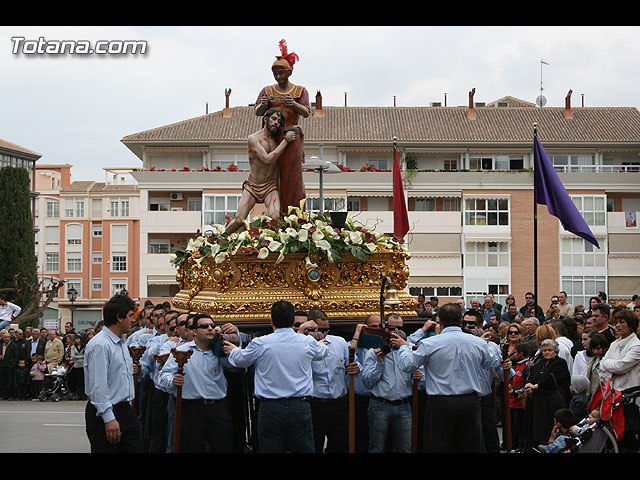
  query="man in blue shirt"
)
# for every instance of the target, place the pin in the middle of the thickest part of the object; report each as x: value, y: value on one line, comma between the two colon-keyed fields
x: 329, y: 404
x: 454, y: 364
x: 391, y: 388
x: 362, y: 393
x: 283, y: 382
x: 111, y: 421
x: 155, y: 432
x: 206, y: 416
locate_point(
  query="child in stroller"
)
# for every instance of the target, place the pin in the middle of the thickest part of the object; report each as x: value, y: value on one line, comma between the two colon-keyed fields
x: 565, y: 432
x: 601, y: 431
x: 55, y: 383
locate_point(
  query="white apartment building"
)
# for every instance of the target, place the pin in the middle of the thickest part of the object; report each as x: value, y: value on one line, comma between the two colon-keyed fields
x: 467, y: 178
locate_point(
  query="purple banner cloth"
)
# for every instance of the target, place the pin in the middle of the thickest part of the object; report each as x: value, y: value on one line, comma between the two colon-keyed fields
x: 549, y: 191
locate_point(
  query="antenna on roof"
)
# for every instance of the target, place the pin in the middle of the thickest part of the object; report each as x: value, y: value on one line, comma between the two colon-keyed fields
x: 541, y: 101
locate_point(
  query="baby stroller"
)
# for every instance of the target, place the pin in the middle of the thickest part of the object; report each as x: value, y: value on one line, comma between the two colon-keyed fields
x: 603, y: 436
x: 54, y: 387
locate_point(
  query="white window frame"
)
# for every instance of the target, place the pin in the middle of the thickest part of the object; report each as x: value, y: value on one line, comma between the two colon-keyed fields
x: 52, y: 208
x: 229, y: 208
x: 157, y: 244
x: 50, y: 262
x: 116, y: 260
x: 76, y: 265
x: 476, y: 207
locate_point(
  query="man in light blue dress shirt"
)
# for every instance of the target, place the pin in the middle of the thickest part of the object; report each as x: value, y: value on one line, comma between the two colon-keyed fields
x: 111, y: 421
x: 362, y: 393
x: 206, y: 417
x: 455, y: 365
x: 391, y: 388
x: 329, y: 403
x: 156, y: 419
x: 283, y: 382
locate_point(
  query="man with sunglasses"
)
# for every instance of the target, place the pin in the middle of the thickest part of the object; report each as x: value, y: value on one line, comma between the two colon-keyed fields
x: 155, y: 422
x: 299, y: 318
x: 178, y: 335
x: 206, y: 417
x: 329, y: 403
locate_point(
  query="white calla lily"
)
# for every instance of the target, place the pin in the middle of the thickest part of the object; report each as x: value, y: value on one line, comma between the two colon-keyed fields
x: 355, y: 237
x: 303, y: 235
x: 274, y: 245
x: 263, y: 253
x: 323, y: 244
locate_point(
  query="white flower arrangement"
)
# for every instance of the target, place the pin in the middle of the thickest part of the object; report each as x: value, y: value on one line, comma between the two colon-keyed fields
x: 299, y: 231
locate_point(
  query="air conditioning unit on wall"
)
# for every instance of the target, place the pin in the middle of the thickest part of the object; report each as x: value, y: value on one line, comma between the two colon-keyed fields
x: 176, y: 196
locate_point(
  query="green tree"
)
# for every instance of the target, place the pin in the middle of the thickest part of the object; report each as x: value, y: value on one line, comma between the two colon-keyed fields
x: 17, y: 238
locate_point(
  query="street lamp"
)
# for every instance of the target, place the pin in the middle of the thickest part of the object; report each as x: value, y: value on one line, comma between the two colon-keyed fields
x: 321, y: 166
x: 72, y: 295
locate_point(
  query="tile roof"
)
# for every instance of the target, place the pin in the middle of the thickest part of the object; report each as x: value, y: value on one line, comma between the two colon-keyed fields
x: 17, y: 148
x: 89, y: 186
x: 418, y: 125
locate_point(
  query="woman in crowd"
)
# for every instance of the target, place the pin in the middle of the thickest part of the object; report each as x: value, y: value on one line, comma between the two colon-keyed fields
x: 553, y: 313
x: 583, y: 356
x: 598, y: 346
x: 548, y: 387
x: 621, y: 364
x: 515, y: 334
x: 622, y: 360
x: 593, y: 301
x: 76, y: 375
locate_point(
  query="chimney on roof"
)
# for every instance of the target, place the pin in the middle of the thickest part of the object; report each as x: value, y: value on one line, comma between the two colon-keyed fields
x: 471, y: 109
x: 568, y: 111
x: 226, y: 113
x: 319, y: 110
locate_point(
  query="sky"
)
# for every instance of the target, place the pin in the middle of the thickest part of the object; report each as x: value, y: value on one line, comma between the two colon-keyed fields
x: 76, y: 108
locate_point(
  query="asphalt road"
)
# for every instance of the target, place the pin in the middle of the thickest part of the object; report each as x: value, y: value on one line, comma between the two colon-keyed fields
x: 43, y: 427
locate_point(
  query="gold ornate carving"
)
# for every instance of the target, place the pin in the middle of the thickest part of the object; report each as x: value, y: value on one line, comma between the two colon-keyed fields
x: 239, y: 289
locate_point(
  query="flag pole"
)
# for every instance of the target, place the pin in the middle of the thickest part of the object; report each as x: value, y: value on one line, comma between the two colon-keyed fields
x: 535, y: 228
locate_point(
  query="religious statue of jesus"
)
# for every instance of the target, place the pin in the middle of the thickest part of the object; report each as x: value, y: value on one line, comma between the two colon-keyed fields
x: 293, y: 100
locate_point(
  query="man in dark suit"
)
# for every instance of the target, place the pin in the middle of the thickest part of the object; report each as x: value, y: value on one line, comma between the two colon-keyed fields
x: 42, y: 342
x: 8, y: 361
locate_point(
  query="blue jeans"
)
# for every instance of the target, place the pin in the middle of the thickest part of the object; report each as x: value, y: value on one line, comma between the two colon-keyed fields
x: 382, y: 417
x: 4, y: 323
x: 285, y: 425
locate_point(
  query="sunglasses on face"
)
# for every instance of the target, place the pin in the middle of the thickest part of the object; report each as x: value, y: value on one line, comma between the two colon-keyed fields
x: 204, y: 326
x: 514, y: 333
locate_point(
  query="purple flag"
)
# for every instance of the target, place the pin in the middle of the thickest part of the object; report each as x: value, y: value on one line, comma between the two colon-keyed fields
x: 549, y: 191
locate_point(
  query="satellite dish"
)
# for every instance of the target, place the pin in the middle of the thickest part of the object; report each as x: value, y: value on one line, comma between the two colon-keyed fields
x: 541, y: 101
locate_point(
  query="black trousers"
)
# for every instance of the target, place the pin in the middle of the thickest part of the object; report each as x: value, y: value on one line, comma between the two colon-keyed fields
x: 489, y: 425
x: 158, y: 421
x: 130, y: 441
x: 205, y: 425
x: 453, y: 424
x: 331, y: 420
x: 362, y: 423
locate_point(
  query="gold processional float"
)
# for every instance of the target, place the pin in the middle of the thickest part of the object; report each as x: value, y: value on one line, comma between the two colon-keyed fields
x: 308, y: 259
